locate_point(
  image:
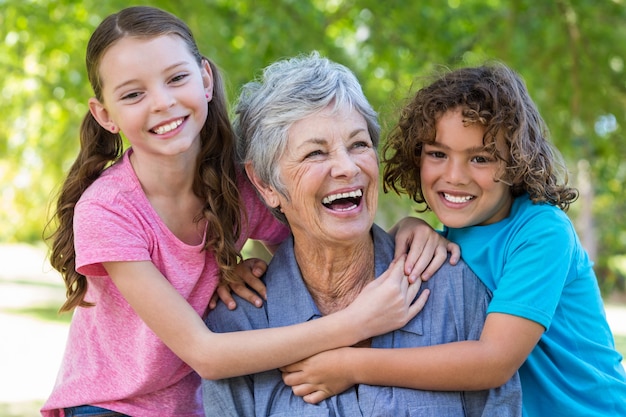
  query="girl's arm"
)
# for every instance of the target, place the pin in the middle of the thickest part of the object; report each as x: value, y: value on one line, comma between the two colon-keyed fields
x: 504, y: 344
x: 426, y: 249
x: 384, y: 304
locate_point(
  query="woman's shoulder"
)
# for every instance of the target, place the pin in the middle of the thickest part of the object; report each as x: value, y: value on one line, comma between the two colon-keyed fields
x: 459, y: 276
x: 245, y: 317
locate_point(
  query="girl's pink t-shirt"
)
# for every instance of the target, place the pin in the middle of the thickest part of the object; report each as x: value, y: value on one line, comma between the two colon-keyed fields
x: 112, y: 359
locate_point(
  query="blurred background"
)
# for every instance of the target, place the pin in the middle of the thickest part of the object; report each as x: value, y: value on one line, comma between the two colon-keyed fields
x: 571, y: 53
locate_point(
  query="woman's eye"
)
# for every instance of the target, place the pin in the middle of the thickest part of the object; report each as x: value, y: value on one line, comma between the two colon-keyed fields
x: 313, y: 154
x: 361, y: 144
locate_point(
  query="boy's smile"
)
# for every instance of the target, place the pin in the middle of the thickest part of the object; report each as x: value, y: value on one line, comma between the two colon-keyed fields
x: 459, y: 176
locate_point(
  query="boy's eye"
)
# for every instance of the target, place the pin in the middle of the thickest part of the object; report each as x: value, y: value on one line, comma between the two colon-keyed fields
x: 436, y: 154
x: 481, y: 159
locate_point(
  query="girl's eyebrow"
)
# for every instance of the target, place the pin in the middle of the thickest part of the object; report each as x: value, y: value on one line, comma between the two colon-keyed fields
x: 167, y: 69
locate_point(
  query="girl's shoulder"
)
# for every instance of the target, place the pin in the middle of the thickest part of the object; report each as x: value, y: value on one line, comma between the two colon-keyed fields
x: 118, y: 179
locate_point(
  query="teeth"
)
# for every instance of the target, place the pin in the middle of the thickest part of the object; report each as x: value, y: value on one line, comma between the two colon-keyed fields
x: 457, y: 199
x: 352, y: 194
x: 168, y: 127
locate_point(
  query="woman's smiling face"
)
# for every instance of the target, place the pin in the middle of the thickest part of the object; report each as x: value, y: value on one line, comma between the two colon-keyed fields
x: 330, y: 171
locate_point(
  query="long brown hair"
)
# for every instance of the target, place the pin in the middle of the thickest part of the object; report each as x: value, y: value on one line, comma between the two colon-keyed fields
x: 217, y: 170
x: 495, y: 97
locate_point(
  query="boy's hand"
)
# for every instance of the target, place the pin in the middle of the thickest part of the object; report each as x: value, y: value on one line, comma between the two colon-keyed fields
x: 425, y: 248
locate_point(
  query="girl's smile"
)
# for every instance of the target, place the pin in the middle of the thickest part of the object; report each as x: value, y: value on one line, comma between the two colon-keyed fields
x: 168, y: 127
x: 160, y: 93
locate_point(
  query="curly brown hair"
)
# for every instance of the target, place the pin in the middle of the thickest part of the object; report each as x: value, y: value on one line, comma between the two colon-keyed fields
x: 215, y: 179
x: 495, y: 97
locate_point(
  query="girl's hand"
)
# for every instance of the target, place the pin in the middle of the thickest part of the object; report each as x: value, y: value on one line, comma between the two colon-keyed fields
x: 250, y: 271
x: 319, y: 377
x: 426, y: 249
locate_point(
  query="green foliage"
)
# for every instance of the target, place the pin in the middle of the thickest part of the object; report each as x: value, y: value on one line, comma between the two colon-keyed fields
x: 571, y: 55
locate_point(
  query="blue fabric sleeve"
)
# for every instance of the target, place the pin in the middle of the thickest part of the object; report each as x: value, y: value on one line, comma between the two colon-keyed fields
x: 537, y: 265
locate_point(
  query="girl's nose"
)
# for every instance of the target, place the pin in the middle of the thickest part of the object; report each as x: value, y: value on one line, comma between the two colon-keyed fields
x: 162, y: 100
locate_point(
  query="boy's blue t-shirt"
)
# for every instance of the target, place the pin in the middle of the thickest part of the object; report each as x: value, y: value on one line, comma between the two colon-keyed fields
x: 536, y: 267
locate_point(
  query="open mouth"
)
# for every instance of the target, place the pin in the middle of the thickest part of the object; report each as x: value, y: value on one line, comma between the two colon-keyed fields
x: 343, y: 201
x: 168, y: 127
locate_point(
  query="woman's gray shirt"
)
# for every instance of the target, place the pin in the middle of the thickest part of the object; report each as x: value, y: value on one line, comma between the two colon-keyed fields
x: 456, y: 310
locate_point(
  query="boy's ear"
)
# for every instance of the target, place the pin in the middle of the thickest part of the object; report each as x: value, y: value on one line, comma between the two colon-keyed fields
x: 267, y: 192
x: 101, y: 114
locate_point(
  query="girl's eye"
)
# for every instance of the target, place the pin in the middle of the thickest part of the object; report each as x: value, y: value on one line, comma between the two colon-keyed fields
x: 179, y: 77
x: 131, y: 96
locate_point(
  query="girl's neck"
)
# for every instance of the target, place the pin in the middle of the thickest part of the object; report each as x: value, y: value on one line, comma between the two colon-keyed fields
x: 167, y: 176
x: 168, y: 186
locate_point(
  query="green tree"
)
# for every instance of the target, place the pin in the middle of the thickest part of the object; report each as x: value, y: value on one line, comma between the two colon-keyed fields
x: 571, y: 54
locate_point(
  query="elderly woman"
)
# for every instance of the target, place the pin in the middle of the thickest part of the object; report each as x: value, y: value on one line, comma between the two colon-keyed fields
x: 308, y: 141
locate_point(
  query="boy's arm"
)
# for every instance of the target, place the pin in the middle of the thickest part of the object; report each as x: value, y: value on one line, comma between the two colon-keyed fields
x: 505, y: 343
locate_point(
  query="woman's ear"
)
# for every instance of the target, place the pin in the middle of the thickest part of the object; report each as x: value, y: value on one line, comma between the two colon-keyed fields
x: 207, y: 79
x: 266, y: 191
x: 101, y: 114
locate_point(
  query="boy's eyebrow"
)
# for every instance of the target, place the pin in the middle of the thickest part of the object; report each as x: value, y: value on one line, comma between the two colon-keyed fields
x: 475, y: 149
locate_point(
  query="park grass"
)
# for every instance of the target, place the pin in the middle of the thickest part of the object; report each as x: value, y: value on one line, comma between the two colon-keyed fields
x: 20, y: 409
x: 47, y: 313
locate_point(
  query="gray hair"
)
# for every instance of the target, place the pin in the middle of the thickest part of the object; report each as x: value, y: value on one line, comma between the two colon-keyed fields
x: 288, y: 91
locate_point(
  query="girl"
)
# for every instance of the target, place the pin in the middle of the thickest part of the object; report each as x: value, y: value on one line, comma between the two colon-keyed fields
x: 143, y: 236
x: 472, y: 147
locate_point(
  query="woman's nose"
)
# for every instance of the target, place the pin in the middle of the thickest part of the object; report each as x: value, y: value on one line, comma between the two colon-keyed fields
x: 344, y: 165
